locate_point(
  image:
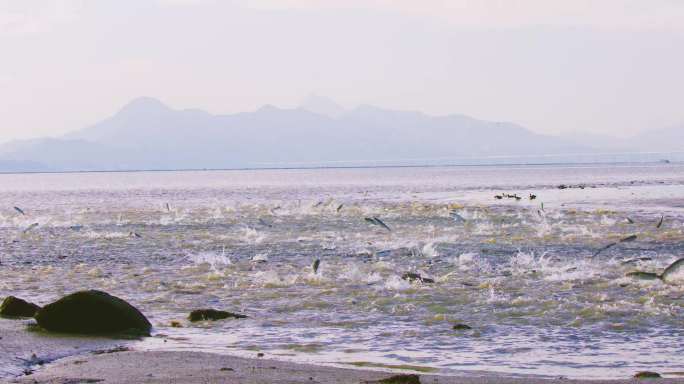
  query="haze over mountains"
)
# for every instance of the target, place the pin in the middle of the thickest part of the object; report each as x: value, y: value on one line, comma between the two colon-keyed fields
x: 146, y: 134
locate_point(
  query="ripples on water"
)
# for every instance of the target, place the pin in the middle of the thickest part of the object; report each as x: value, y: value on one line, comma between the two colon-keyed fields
x: 523, y: 278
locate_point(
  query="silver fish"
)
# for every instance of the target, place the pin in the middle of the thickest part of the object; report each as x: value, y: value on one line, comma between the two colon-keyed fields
x: 19, y: 210
x: 643, y: 275
x: 411, y: 277
x: 381, y: 223
x: 30, y: 227
x: 457, y: 218
x: 628, y: 239
x: 315, y: 265
x: 623, y: 240
x: 636, y: 259
x: 376, y: 221
x: 674, y: 272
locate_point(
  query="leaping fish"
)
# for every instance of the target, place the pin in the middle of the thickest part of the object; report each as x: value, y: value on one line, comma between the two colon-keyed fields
x: 30, y: 227
x: 674, y: 273
x: 260, y: 258
x: 315, y: 265
x: 374, y: 220
x: 660, y: 223
x: 411, y: 277
x: 623, y: 240
x: 643, y: 275
x: 635, y: 260
x: 457, y: 218
x: 19, y: 210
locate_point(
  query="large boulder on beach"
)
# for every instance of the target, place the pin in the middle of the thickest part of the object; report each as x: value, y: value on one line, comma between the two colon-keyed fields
x: 92, y: 312
x: 16, y: 307
x: 212, y: 314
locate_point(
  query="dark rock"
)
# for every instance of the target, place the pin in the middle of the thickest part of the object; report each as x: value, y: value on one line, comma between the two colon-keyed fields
x: 16, y: 307
x: 212, y: 314
x: 410, y: 276
x: 647, y: 375
x: 92, y: 312
x: 462, y: 327
x: 400, y: 379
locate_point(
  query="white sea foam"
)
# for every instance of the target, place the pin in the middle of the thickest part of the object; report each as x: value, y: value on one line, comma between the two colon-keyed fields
x: 396, y: 283
x: 213, y: 259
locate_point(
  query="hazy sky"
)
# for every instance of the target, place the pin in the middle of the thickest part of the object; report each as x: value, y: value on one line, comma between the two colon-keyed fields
x: 604, y: 66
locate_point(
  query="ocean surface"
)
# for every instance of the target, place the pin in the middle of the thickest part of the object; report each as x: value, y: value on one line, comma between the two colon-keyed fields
x: 520, y: 272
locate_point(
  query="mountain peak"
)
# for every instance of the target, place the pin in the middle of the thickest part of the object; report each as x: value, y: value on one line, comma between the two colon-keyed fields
x: 144, y: 104
x: 268, y: 108
x: 321, y: 105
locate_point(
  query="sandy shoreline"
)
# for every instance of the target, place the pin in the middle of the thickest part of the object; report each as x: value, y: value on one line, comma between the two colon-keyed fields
x: 38, y: 357
x: 129, y: 367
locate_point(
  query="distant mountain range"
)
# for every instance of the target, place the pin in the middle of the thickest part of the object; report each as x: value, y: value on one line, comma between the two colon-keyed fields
x: 660, y: 140
x: 146, y: 134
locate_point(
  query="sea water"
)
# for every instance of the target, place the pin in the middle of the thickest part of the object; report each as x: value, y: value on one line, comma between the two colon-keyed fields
x: 519, y: 272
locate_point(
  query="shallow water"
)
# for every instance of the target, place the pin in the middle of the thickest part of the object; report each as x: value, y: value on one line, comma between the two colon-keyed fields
x: 521, y: 276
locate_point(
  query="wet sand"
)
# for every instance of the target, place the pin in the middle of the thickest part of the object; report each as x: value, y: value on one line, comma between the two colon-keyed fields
x: 198, y: 367
x: 22, y: 347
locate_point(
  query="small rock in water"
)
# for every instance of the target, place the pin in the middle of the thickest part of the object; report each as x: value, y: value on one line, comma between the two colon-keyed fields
x: 16, y: 307
x: 647, y: 375
x: 212, y: 314
x: 92, y: 312
x: 410, y: 276
x: 461, y: 327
